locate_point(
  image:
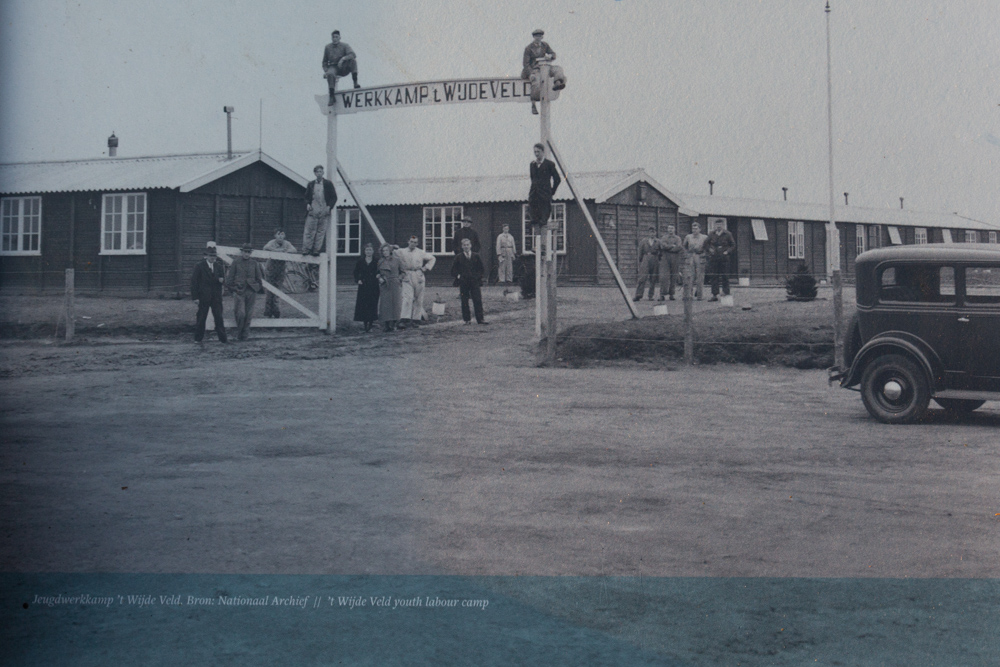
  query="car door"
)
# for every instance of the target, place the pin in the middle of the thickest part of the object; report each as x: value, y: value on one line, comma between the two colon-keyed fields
x: 921, y: 299
x: 979, y: 325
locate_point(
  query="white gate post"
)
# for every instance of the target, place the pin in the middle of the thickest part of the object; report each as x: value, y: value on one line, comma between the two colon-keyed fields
x: 331, y: 235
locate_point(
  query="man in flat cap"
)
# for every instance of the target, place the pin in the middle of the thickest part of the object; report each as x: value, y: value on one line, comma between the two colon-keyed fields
x: 206, y: 288
x: 465, y: 232
x: 535, y: 53
x: 339, y: 60
x: 244, y: 279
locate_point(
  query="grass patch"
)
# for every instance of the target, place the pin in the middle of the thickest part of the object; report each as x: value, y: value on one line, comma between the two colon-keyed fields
x: 785, y: 333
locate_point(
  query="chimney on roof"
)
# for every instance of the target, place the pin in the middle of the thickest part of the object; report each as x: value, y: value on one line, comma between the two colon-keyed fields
x: 711, y: 187
x: 784, y: 194
x: 112, y: 145
x: 900, y: 202
x: 845, y: 199
x: 229, y: 131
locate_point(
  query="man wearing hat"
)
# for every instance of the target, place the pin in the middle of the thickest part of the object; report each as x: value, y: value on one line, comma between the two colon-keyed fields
x: 244, y: 279
x: 339, y: 60
x: 465, y: 232
x: 206, y: 288
x: 533, y: 53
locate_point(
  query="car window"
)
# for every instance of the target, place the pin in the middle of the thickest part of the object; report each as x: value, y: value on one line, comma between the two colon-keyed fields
x: 982, y: 284
x: 917, y: 283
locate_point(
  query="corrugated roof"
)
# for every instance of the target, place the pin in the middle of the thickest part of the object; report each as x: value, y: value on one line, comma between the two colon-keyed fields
x: 185, y: 172
x: 787, y: 210
x: 600, y: 186
x: 478, y: 189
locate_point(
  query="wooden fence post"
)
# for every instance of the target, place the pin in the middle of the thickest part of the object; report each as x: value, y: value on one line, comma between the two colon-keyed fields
x: 70, y: 305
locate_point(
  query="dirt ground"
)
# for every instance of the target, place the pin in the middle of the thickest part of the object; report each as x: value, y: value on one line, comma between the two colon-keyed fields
x: 446, y: 451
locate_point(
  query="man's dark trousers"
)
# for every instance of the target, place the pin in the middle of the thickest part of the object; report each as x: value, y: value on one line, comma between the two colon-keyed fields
x: 474, y: 292
x: 718, y: 269
x: 215, y: 304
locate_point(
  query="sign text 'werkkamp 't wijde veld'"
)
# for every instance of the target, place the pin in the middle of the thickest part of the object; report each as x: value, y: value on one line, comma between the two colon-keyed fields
x: 430, y: 93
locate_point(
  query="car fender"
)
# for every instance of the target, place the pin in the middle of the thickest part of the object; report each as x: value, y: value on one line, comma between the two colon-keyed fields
x: 896, y: 342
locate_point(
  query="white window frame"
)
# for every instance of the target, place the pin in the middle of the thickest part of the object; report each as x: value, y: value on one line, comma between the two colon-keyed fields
x: 993, y: 237
x: 439, y: 227
x: 971, y: 236
x: 21, y: 231
x: 759, y: 229
x: 860, y: 240
x: 348, y: 232
x: 920, y: 235
x: 123, y: 232
x: 946, y: 236
x: 559, y: 236
x: 796, y: 239
x: 894, y: 237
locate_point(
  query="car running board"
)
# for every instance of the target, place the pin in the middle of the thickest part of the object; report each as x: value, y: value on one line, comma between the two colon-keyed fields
x: 967, y: 395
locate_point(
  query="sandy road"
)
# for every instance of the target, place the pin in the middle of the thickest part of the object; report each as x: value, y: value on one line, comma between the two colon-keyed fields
x: 444, y: 451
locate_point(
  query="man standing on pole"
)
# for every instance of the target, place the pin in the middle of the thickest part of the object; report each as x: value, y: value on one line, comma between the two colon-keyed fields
x: 321, y: 197
x: 339, y: 60
x: 544, y: 182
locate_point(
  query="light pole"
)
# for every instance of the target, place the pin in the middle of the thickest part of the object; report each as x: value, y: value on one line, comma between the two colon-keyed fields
x: 832, y: 234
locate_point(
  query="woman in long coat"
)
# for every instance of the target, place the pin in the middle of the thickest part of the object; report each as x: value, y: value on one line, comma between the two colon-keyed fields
x: 366, y: 276
x: 390, y: 280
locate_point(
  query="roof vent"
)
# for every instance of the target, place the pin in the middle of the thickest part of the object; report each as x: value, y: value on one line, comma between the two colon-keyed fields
x: 784, y: 194
x: 112, y: 145
x: 711, y: 187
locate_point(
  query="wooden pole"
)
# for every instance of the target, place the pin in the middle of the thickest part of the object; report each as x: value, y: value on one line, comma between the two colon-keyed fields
x: 688, y: 314
x: 331, y: 235
x: 537, y: 247
x: 70, y: 305
x: 550, y: 318
x: 833, y: 234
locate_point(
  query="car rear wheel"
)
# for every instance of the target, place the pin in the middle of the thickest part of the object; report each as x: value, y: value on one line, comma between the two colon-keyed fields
x: 959, y: 406
x: 894, y: 389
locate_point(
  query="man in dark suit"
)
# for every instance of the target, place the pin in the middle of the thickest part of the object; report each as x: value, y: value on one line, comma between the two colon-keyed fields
x: 468, y: 272
x: 206, y: 288
x: 544, y: 182
x: 465, y: 232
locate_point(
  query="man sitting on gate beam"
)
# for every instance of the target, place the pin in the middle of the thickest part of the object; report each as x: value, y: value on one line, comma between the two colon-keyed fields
x: 544, y: 182
x: 244, y: 279
x: 339, y: 60
x: 671, y: 247
x: 465, y: 232
x: 206, y: 288
x: 321, y: 197
x: 415, y: 261
x: 649, y: 255
x: 535, y: 53
x: 718, y: 247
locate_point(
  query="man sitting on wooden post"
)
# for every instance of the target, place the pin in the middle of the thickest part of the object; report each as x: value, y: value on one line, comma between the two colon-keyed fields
x: 535, y: 53
x: 339, y: 60
x: 544, y: 182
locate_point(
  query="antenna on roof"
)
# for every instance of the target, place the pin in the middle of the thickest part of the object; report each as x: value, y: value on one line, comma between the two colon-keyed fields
x: 260, y: 126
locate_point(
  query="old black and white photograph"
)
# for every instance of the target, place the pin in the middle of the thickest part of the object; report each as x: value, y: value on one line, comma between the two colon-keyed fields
x: 579, y: 332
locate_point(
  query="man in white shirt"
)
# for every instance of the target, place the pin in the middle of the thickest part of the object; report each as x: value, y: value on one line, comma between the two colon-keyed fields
x: 415, y: 261
x: 694, y: 246
x: 506, y: 252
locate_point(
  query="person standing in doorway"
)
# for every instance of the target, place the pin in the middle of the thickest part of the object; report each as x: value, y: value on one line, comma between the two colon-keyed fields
x: 694, y: 246
x: 206, y: 288
x: 671, y: 247
x: 244, y: 280
x: 506, y: 252
x: 649, y: 253
x: 545, y: 181
x: 321, y: 197
x: 339, y: 60
x: 274, y: 271
x: 415, y: 261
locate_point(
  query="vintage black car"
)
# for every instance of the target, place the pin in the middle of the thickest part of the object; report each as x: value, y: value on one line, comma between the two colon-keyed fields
x: 927, y: 326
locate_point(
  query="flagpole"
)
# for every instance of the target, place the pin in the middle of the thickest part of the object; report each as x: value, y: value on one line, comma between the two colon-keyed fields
x: 833, y: 235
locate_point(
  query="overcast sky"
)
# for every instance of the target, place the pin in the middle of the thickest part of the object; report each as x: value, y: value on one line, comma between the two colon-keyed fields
x: 728, y: 90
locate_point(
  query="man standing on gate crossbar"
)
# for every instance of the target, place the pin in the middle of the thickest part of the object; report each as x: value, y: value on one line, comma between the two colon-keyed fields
x: 321, y: 197
x: 544, y: 182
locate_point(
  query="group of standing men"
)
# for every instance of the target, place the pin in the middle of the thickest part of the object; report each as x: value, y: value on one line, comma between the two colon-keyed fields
x: 669, y: 254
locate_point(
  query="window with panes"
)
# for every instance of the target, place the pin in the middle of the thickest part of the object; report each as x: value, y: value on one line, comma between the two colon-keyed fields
x: 21, y: 226
x: 348, y: 232
x: 123, y: 224
x: 796, y: 239
x: 440, y: 225
x: 558, y: 215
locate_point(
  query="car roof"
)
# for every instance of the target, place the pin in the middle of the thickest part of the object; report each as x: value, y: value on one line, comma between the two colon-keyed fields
x: 930, y: 252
